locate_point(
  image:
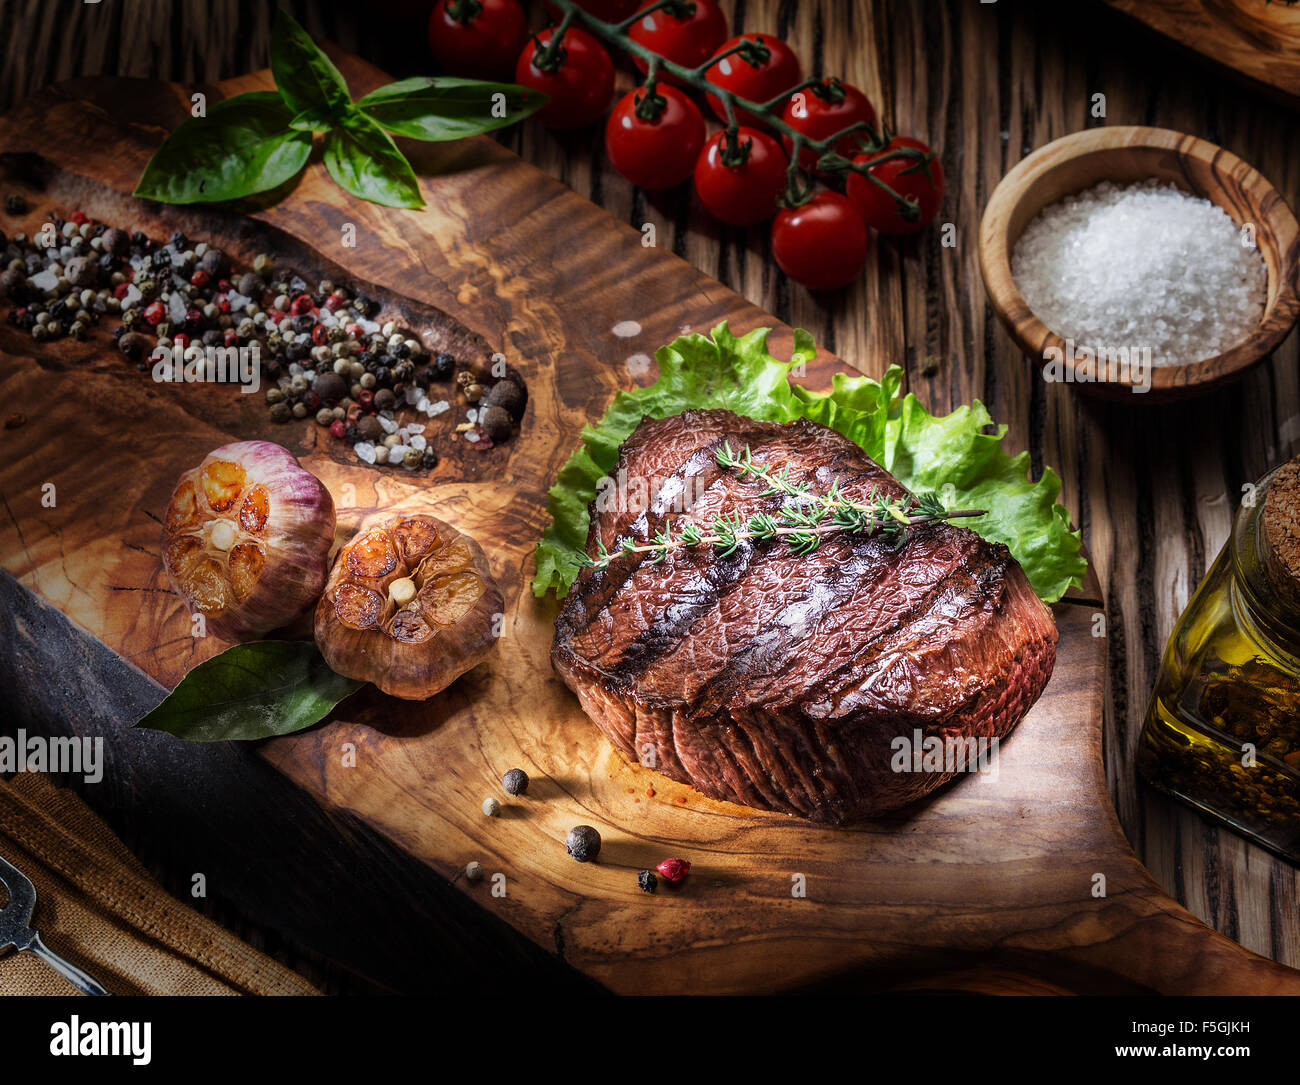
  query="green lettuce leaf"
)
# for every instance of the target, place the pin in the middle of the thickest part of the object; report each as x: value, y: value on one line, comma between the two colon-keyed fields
x: 950, y: 455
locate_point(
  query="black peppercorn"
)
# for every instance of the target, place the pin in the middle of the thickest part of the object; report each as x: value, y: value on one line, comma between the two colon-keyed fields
x: 304, y: 323
x: 444, y: 365
x: 646, y: 881
x: 583, y: 843
x: 16, y: 204
x: 430, y: 458
x: 352, y: 435
x: 179, y: 240
x: 383, y: 375
x: 515, y: 782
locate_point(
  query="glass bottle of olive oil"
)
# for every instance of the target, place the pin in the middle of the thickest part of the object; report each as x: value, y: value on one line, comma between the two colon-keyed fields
x: 1223, y: 729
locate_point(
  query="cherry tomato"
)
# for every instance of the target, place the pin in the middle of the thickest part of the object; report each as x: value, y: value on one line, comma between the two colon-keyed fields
x: 748, y: 76
x: 479, y: 39
x: 824, y: 109
x: 909, y: 177
x: 612, y: 11
x: 688, y: 40
x: 822, y: 243
x: 580, y: 86
x: 747, y: 192
x: 656, y: 152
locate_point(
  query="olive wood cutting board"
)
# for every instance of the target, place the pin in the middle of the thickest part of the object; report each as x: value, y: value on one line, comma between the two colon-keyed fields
x: 1258, y: 39
x: 1021, y: 882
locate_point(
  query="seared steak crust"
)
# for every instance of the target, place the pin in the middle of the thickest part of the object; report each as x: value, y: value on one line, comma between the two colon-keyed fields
x: 781, y: 681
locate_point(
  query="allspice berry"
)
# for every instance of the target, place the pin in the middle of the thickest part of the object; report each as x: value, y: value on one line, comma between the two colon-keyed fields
x: 330, y: 387
x: 369, y: 428
x: 510, y: 395
x: 133, y: 345
x: 497, y: 423
x: 515, y: 782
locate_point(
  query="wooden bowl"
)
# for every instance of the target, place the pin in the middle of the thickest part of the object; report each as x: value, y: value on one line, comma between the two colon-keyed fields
x: 1124, y: 155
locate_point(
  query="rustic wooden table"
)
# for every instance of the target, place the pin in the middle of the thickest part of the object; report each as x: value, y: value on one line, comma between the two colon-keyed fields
x: 1153, y: 488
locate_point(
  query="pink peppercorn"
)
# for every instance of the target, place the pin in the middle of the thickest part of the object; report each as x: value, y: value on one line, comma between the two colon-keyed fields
x: 338, y: 429
x: 301, y: 305
x: 154, y: 312
x: 200, y: 279
x: 673, y: 870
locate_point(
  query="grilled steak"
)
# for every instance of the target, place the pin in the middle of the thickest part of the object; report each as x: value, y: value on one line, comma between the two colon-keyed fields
x: 782, y: 681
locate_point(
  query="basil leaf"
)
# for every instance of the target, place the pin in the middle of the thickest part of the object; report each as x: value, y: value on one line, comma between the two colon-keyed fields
x: 316, y: 119
x: 243, y: 146
x: 250, y: 691
x: 365, y: 161
x: 448, y: 108
x: 305, y: 76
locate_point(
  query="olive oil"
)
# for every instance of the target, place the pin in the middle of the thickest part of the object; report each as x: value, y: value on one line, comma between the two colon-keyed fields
x: 1223, y: 729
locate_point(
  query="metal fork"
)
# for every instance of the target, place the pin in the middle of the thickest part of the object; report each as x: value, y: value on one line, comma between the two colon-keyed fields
x: 15, y: 929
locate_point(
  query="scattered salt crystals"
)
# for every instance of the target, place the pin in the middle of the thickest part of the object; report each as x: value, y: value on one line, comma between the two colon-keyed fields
x: 238, y: 301
x: 414, y: 427
x: 471, y: 435
x: 1143, y: 265
x: 435, y: 409
x: 396, y: 453
x: 294, y: 369
x: 365, y: 451
x: 46, y: 280
x: 417, y: 442
x: 387, y: 424
x: 638, y: 365
x: 625, y: 329
x: 131, y: 296
x: 416, y: 398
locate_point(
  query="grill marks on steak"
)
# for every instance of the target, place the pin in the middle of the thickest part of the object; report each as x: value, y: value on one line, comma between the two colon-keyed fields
x: 780, y: 681
x: 662, y: 602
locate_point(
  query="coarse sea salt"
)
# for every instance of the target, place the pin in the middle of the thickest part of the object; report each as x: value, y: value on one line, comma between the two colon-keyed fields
x: 1143, y: 265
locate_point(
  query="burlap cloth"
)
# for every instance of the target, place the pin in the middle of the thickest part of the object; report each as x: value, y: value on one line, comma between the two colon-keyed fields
x: 97, y: 907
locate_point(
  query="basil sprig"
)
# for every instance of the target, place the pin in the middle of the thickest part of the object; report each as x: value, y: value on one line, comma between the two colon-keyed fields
x: 255, y: 142
x: 250, y: 691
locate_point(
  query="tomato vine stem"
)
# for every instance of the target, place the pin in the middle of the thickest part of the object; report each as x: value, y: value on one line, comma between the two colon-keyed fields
x: 769, y: 112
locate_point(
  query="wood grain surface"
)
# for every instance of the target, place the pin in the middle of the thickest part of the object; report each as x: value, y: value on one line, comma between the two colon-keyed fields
x: 1153, y: 490
x: 1253, y: 38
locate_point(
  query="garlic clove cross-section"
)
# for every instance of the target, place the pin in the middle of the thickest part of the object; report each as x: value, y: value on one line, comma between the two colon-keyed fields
x: 246, y: 539
x: 410, y: 606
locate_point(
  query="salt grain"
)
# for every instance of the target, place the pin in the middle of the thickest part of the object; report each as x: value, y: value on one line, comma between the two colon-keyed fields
x: 1141, y: 265
x: 365, y: 451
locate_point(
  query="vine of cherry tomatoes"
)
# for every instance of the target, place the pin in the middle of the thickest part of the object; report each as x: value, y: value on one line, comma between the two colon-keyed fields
x: 822, y: 207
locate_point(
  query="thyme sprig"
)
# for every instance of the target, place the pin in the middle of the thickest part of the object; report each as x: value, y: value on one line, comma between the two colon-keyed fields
x: 802, y: 521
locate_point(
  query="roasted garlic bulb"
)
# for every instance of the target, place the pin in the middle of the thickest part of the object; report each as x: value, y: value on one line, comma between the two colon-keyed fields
x: 410, y: 606
x: 246, y: 539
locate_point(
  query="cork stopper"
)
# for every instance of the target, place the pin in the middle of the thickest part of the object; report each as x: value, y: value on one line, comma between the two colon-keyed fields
x: 1281, y: 534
